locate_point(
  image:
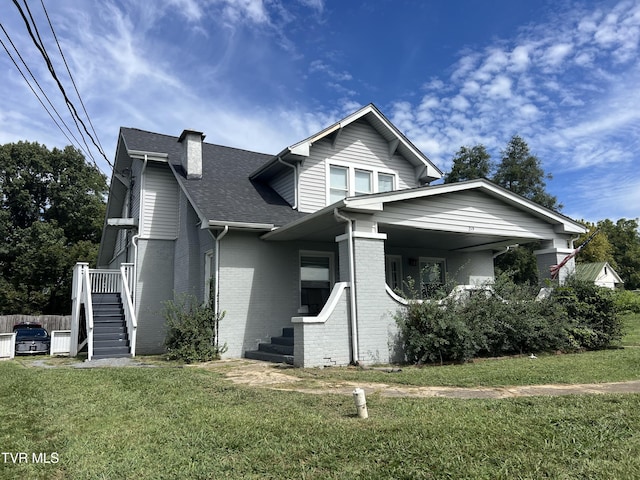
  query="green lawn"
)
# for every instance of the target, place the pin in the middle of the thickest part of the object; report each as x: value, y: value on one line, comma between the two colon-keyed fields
x: 170, y: 422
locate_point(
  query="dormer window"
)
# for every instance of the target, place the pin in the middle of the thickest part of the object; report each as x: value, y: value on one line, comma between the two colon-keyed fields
x: 349, y: 181
x: 362, y: 182
x: 339, y: 184
x: 386, y: 182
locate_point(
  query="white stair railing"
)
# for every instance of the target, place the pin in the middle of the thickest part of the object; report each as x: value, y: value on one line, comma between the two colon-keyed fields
x: 126, y: 272
x: 87, y: 281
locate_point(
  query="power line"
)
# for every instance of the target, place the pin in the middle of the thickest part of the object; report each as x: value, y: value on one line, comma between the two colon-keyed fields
x: 40, y: 45
x: 43, y: 52
x: 75, y: 87
x: 77, y: 144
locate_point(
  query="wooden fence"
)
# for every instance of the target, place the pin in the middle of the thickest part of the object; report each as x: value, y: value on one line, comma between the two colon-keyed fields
x: 50, y: 322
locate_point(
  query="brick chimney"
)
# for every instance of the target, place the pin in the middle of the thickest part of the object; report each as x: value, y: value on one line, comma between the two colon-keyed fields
x: 191, y: 158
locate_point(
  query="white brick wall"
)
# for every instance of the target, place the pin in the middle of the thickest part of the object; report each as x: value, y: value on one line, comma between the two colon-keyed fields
x: 324, y: 344
x: 376, y: 325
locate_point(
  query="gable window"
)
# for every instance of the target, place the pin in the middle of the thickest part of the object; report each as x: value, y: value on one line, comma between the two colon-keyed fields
x: 385, y: 182
x: 339, y: 183
x: 349, y: 181
x: 363, y: 182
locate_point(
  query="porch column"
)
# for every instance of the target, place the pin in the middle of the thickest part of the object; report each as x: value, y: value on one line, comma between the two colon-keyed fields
x: 374, y: 308
x: 552, y: 253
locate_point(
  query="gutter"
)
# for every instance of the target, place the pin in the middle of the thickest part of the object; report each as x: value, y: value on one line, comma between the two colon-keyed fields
x: 355, y: 357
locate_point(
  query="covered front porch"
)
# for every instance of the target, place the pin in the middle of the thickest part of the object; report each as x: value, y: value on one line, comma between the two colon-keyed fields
x: 452, y: 236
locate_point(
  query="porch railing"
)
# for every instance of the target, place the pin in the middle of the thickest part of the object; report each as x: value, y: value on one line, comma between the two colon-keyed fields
x: 87, y: 281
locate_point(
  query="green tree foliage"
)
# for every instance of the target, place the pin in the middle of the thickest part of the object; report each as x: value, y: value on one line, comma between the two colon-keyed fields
x: 625, y: 242
x: 520, y: 264
x: 469, y: 163
x: 52, y: 206
x: 522, y: 173
x: 599, y: 249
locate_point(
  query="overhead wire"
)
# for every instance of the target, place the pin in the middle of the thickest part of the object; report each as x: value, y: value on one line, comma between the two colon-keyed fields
x: 41, y: 48
x: 72, y: 109
x: 75, y: 87
x: 39, y: 99
x: 77, y: 142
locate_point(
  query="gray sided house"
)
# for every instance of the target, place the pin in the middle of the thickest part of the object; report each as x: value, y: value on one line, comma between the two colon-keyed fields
x: 307, y: 248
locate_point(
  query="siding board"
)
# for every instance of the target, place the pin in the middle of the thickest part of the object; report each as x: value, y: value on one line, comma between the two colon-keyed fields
x: 463, y: 212
x: 283, y: 185
x: 359, y: 145
x: 160, y: 218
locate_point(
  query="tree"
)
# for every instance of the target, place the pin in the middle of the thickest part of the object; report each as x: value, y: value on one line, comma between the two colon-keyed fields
x: 52, y: 206
x: 625, y: 241
x: 599, y: 249
x: 469, y: 163
x: 522, y: 173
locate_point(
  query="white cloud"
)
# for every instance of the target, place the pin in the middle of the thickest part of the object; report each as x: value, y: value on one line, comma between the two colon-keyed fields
x: 500, y: 87
x: 557, y: 53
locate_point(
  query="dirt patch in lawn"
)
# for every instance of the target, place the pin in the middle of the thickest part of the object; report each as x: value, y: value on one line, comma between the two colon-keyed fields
x: 268, y: 375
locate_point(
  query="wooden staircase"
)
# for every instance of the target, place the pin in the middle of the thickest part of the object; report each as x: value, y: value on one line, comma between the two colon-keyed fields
x: 279, y: 350
x: 110, y: 337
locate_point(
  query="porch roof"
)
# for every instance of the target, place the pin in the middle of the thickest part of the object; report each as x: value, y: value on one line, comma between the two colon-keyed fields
x: 474, y: 215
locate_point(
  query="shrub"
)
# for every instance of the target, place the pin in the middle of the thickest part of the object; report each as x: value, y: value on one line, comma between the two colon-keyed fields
x: 627, y: 301
x: 592, y: 311
x: 192, y: 331
x: 505, y: 318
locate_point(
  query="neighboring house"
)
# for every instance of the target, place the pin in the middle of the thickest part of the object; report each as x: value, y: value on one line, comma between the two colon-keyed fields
x: 313, y: 240
x: 600, y: 273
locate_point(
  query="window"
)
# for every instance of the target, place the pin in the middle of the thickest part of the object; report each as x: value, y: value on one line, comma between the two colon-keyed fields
x: 363, y: 182
x: 339, y: 185
x: 385, y: 182
x: 349, y: 181
x: 316, y: 272
x: 394, y: 271
x: 432, y: 275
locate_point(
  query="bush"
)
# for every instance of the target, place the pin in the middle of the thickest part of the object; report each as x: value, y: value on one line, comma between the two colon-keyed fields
x: 627, y: 301
x: 593, y: 314
x: 505, y: 318
x: 192, y: 331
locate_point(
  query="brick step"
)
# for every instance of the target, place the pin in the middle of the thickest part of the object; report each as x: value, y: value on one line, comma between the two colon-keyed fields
x: 282, y: 340
x: 275, y: 348
x: 269, y: 357
x: 287, y: 332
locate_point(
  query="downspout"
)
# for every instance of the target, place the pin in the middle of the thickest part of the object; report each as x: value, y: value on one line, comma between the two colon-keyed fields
x: 136, y: 237
x: 295, y: 182
x: 355, y: 357
x: 216, y: 273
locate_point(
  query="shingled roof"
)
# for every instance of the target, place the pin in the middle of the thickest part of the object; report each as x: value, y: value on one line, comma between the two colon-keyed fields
x: 224, y: 193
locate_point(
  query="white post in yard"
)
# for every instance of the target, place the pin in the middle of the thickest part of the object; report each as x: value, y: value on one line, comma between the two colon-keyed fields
x: 361, y: 403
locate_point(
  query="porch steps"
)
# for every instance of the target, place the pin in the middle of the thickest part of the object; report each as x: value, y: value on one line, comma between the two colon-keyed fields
x: 279, y: 350
x: 110, y: 338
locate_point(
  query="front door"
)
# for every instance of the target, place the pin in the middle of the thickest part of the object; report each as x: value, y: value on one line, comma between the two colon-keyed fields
x: 316, y: 280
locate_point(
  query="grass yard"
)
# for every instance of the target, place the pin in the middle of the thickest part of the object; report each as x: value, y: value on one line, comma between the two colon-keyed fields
x: 170, y: 422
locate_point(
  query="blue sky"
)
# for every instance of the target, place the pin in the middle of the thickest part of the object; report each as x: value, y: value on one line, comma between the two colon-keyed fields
x: 264, y: 74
